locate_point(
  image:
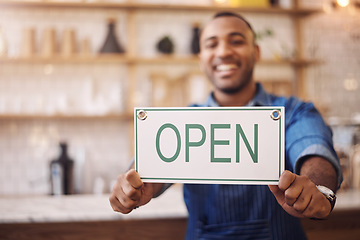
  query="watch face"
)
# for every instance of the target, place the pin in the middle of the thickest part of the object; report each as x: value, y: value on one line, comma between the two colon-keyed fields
x: 324, y: 190
x: 329, y: 194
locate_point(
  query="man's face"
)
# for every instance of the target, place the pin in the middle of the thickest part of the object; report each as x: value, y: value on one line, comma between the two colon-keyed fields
x: 228, y: 53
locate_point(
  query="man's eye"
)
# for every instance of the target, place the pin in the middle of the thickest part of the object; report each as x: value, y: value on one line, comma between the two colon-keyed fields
x: 210, y: 45
x: 237, y: 42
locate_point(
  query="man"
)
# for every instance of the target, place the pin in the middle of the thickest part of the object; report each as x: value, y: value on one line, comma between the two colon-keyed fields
x: 228, y: 54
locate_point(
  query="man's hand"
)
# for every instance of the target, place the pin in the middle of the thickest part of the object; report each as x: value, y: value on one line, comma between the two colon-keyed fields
x: 130, y: 192
x: 299, y: 196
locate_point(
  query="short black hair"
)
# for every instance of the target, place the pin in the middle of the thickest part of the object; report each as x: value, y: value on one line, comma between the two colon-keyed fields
x: 232, y: 14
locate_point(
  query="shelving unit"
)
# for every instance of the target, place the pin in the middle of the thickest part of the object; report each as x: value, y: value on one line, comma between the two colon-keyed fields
x: 131, y: 60
x: 129, y: 5
x: 117, y: 58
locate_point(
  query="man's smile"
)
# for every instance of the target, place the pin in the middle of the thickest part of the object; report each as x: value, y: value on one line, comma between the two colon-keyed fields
x: 225, y: 70
x: 226, y: 67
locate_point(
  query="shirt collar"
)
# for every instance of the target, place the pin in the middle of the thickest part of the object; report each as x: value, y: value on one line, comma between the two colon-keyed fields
x: 262, y: 98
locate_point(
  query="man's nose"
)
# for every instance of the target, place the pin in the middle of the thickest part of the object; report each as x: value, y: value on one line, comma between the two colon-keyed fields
x: 223, y: 50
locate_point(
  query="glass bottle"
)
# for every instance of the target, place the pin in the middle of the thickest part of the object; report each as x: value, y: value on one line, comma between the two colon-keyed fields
x: 111, y: 44
x: 62, y: 173
x: 274, y: 3
x: 195, y: 41
x: 355, y: 160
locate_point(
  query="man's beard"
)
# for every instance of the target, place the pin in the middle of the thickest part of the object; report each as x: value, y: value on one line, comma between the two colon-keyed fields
x: 240, y: 87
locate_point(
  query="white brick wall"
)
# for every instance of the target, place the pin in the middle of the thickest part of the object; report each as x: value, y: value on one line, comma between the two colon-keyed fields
x: 334, y: 38
x: 27, y: 147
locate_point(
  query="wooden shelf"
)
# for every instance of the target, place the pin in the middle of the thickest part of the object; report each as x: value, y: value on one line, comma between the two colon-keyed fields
x: 106, y: 58
x: 164, y: 7
x: 119, y: 58
x: 166, y: 60
x: 294, y: 62
x: 124, y: 116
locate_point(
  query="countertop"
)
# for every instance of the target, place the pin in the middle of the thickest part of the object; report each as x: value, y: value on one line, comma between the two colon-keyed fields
x: 32, y: 209
x: 20, y: 209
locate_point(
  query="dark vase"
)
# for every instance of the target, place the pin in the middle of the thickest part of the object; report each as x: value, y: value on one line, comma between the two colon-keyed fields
x: 274, y: 3
x: 195, y: 40
x: 165, y: 45
x: 111, y: 44
x: 62, y: 173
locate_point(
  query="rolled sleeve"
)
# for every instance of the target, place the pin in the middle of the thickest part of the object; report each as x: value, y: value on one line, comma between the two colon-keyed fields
x: 321, y: 151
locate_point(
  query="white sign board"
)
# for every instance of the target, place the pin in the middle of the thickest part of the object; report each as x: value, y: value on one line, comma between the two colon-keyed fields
x: 224, y: 145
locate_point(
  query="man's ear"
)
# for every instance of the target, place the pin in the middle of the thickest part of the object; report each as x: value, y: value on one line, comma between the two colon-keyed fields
x: 257, y: 53
x: 201, y: 66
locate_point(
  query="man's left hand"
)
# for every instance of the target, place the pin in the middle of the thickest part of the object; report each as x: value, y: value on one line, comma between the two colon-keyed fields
x: 299, y: 196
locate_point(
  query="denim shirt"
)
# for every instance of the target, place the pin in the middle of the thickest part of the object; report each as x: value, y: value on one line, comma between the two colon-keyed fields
x: 230, y: 212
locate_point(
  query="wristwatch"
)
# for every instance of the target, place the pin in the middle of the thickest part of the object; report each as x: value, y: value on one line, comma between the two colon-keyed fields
x: 329, y: 194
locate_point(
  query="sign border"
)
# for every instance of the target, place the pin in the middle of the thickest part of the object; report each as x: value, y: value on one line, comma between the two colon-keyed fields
x: 205, y: 180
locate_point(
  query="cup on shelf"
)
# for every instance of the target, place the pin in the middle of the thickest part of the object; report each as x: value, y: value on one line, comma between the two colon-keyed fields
x: 286, y: 4
x: 85, y: 49
x: 68, y: 43
x: 48, y: 46
x: 28, y: 46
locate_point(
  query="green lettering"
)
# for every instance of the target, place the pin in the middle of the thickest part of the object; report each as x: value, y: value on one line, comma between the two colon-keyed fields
x: 218, y: 142
x: 189, y: 144
x: 173, y: 158
x: 253, y: 154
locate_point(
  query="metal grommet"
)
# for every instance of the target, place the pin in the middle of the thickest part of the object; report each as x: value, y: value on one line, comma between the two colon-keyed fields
x: 142, y: 115
x: 275, y: 115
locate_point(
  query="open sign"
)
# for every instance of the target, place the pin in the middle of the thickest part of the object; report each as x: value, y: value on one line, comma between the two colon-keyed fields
x: 226, y: 145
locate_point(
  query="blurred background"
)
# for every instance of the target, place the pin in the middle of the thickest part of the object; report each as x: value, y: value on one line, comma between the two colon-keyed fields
x: 71, y: 72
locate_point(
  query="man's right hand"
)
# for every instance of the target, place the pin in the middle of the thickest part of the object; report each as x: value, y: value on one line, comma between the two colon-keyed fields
x: 130, y: 192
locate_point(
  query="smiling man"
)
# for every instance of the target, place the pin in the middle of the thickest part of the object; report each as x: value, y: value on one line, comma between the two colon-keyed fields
x: 228, y: 54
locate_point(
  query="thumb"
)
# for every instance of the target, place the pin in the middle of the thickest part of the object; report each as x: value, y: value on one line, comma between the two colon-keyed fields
x: 134, y: 179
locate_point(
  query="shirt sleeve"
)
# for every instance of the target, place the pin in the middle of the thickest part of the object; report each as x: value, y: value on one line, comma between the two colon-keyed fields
x: 307, y: 134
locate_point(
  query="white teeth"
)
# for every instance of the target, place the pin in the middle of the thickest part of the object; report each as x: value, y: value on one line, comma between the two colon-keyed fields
x: 226, y: 67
